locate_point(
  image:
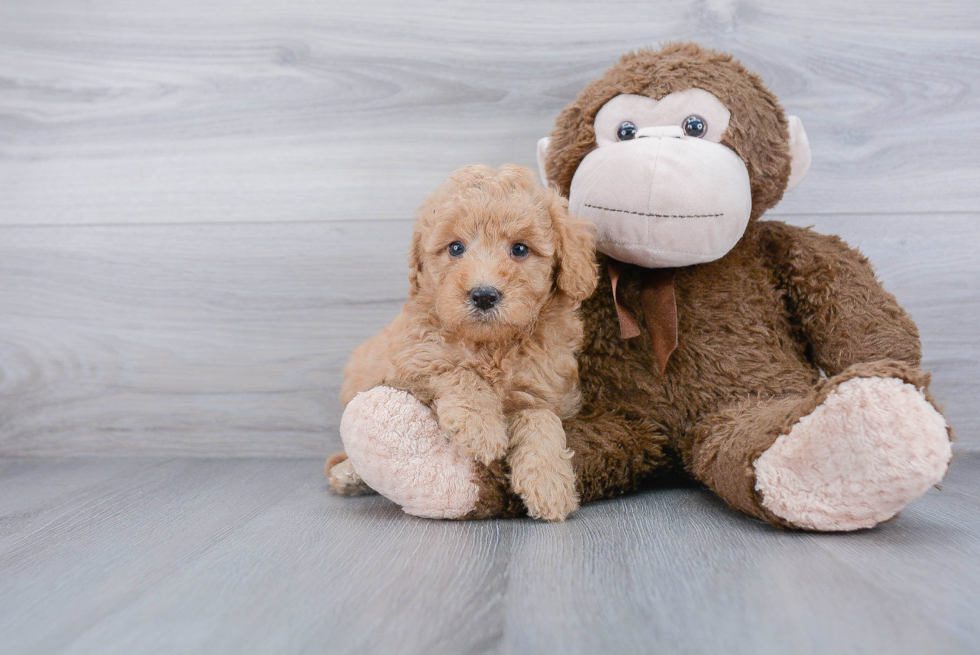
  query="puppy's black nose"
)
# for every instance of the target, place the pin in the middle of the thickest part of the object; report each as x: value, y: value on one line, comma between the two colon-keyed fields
x: 484, y: 298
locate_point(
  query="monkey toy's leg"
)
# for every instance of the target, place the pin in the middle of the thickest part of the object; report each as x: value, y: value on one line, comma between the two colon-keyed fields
x: 849, y: 455
x: 396, y: 447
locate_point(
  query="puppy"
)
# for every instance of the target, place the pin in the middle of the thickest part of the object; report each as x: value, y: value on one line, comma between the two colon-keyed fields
x: 489, y: 335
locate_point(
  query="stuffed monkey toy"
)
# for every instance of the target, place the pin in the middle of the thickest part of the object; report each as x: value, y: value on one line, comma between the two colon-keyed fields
x: 764, y: 360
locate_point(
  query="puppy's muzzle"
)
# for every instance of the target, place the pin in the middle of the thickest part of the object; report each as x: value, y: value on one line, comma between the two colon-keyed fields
x: 484, y: 298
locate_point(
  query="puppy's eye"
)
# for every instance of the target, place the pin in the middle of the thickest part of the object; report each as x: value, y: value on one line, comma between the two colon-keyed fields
x: 520, y: 251
x: 626, y: 131
x: 695, y: 126
x: 456, y: 249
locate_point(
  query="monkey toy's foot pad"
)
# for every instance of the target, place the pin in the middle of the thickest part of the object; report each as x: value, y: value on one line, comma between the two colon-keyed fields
x: 871, y: 447
x: 396, y: 446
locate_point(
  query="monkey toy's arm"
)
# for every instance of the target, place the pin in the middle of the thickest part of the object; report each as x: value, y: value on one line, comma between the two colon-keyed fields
x: 846, y: 316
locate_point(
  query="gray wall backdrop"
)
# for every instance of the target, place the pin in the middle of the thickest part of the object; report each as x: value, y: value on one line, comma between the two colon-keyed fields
x: 204, y: 206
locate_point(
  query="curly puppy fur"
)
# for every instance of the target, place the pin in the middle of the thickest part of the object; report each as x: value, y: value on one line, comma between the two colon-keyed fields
x: 499, y: 380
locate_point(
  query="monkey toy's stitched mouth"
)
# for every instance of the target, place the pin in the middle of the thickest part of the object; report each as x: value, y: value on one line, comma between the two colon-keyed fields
x: 654, y: 215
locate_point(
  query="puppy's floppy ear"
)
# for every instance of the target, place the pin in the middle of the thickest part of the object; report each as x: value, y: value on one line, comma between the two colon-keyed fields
x: 577, y: 273
x: 415, y: 262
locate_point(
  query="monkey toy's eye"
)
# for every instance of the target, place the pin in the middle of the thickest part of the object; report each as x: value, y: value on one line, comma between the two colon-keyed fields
x: 456, y: 249
x: 626, y: 131
x: 520, y: 251
x: 696, y: 126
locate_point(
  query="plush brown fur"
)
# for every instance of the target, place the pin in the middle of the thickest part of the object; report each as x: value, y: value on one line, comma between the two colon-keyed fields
x: 756, y: 327
x: 744, y: 371
x: 499, y: 381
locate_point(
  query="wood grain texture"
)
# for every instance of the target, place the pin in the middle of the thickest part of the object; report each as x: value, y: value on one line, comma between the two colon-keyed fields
x: 254, y: 556
x: 211, y: 340
x: 300, y: 111
x: 205, y: 209
x: 229, y: 340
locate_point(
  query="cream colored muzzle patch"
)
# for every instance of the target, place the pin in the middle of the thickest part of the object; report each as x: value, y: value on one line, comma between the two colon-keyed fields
x: 663, y: 199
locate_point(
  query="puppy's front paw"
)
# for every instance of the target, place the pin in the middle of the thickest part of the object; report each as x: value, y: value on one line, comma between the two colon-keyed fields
x: 482, y: 437
x: 344, y: 480
x: 548, y: 491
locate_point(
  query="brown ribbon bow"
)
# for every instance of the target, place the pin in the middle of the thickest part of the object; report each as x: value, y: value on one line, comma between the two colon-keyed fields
x: 659, y: 308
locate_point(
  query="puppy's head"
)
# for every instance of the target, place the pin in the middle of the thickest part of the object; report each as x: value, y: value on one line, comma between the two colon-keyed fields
x: 492, y: 247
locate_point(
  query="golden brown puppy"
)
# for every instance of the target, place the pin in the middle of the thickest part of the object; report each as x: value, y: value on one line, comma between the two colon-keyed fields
x: 490, y: 331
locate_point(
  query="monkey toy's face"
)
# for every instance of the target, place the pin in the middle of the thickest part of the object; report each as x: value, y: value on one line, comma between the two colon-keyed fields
x: 660, y: 187
x: 664, y: 181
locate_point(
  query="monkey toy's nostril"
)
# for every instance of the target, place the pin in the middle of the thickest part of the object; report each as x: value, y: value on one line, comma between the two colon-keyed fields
x: 484, y: 298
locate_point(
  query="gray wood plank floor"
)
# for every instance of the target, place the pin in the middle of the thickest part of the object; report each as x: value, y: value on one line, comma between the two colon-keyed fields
x: 255, y: 556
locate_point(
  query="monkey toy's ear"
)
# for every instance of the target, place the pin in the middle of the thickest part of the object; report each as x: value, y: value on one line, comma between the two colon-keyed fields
x: 799, y: 150
x: 542, y: 151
